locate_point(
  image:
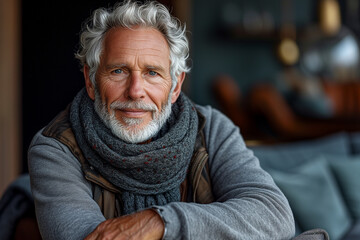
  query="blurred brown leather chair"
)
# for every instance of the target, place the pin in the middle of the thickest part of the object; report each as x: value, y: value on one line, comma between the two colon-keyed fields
x: 265, y: 102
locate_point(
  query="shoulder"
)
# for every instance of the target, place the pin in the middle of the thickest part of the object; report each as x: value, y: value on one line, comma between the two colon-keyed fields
x: 42, y: 141
x: 44, y: 150
x: 216, y: 121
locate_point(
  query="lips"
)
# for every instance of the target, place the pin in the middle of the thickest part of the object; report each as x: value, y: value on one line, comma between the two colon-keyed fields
x: 134, y: 113
x: 132, y: 109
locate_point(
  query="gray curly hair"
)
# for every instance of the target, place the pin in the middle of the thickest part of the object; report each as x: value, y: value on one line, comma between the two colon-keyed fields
x: 130, y: 14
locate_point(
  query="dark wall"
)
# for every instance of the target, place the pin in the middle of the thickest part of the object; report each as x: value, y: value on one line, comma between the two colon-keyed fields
x: 50, y: 73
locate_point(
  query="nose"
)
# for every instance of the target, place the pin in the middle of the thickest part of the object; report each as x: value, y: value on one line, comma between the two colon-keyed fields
x: 135, y: 89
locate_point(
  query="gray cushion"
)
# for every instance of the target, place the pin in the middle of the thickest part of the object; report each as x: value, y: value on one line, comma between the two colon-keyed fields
x: 314, y: 198
x: 347, y: 173
x: 285, y: 156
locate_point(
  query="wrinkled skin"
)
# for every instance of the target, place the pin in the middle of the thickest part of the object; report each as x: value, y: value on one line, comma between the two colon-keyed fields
x: 146, y: 225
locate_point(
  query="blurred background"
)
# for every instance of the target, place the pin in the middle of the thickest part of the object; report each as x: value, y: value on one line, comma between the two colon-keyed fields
x: 282, y: 70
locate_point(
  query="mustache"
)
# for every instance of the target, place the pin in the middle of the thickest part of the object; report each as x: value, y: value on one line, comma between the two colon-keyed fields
x: 133, y: 105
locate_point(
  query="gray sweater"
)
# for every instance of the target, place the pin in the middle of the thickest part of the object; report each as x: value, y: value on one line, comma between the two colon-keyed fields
x: 248, y: 203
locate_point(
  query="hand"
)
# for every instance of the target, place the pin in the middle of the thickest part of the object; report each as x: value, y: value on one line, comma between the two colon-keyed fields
x: 146, y: 225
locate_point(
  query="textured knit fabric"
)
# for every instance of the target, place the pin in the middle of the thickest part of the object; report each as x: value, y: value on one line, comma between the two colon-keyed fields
x: 147, y: 174
x: 248, y: 205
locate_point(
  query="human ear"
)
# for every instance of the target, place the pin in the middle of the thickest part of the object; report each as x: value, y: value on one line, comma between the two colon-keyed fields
x: 177, y: 90
x: 89, y: 85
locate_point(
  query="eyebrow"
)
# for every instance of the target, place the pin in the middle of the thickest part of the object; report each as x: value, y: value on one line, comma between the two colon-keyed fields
x: 112, y: 66
x: 157, y: 68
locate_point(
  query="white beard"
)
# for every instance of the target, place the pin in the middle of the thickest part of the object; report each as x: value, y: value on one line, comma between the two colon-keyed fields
x: 132, y: 133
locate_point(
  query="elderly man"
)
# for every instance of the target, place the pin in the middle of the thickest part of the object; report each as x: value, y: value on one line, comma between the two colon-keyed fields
x: 133, y: 158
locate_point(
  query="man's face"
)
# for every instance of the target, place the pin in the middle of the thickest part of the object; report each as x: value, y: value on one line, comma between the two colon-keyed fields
x: 133, y: 80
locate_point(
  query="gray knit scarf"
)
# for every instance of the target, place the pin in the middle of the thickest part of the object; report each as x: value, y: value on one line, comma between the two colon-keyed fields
x: 147, y: 174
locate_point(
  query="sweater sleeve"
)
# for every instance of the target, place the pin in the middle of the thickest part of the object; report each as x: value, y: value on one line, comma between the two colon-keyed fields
x: 63, y: 198
x: 248, y: 203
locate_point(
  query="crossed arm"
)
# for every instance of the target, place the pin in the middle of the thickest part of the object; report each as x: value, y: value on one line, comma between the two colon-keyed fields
x: 146, y: 225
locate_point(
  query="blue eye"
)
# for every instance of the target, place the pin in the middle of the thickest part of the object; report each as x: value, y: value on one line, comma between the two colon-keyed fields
x: 118, y: 71
x: 152, y: 73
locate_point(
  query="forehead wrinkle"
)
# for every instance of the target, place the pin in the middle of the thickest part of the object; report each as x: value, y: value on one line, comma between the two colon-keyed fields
x: 142, y: 59
x: 145, y: 39
x: 139, y: 52
x: 141, y: 37
x: 154, y: 57
x: 140, y: 49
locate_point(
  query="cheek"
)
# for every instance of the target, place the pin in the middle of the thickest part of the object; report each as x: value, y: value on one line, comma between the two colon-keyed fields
x: 159, y: 94
x: 108, y: 91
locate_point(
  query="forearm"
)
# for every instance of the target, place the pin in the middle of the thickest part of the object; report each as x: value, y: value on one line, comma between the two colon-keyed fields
x: 146, y: 225
x: 249, y: 217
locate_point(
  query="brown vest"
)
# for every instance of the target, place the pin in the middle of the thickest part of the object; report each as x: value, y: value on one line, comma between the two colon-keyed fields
x: 106, y: 194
